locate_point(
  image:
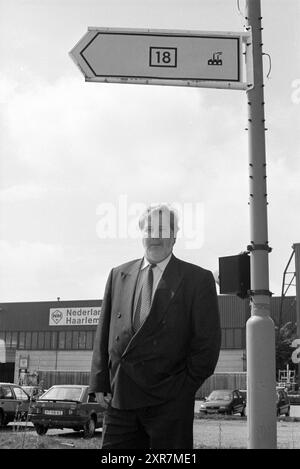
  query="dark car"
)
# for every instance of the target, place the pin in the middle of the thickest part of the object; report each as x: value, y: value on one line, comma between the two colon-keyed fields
x: 224, y: 401
x: 67, y: 406
x: 243, y: 393
x: 14, y: 403
x: 282, y: 402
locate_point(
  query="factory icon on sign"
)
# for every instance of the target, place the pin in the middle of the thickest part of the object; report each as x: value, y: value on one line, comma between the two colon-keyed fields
x: 216, y: 59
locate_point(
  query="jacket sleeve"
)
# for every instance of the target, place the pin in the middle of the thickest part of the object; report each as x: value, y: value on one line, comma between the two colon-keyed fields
x: 99, y: 377
x: 206, y: 333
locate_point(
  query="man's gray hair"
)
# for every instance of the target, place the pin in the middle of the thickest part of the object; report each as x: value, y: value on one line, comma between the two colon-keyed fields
x: 166, y: 212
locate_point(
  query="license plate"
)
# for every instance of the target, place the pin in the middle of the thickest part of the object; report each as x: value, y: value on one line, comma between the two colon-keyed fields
x: 212, y: 411
x: 53, y: 412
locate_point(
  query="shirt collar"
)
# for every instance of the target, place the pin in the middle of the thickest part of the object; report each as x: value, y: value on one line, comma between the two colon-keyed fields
x: 161, y: 265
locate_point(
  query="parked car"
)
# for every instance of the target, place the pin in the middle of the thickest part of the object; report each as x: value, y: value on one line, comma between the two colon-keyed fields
x: 67, y: 406
x: 243, y: 393
x: 34, y: 391
x: 294, y: 398
x: 224, y: 401
x: 283, y: 402
x: 14, y: 403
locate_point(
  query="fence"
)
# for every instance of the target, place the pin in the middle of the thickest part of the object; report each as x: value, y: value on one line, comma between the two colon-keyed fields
x: 222, y: 381
x: 232, y: 380
x: 49, y: 378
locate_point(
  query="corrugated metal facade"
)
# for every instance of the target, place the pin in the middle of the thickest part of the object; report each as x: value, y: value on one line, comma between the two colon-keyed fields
x: 288, y: 309
x: 231, y: 380
x: 49, y: 378
x: 34, y: 316
x: 231, y: 361
x: 59, y: 350
x: 56, y: 361
x: 234, y: 311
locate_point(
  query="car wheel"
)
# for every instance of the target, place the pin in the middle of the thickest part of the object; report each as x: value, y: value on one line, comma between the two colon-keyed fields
x: 288, y: 412
x: 89, y: 428
x: 229, y: 412
x: 243, y: 412
x: 40, y: 429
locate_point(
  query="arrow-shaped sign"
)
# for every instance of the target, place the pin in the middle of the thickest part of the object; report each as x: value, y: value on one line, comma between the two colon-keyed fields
x: 160, y: 57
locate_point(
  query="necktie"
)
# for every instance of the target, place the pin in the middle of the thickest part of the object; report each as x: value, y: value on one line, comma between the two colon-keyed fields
x: 144, y: 302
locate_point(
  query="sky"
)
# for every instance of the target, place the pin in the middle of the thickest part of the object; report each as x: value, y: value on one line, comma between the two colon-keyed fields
x: 79, y: 161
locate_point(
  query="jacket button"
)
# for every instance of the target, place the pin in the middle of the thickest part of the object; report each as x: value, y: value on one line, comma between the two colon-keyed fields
x: 119, y: 315
x: 117, y: 337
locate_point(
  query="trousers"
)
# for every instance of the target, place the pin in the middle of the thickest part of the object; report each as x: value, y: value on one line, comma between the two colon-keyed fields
x: 163, y: 426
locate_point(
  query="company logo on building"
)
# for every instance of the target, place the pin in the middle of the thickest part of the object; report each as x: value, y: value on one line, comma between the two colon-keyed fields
x: 56, y: 316
x: 87, y: 316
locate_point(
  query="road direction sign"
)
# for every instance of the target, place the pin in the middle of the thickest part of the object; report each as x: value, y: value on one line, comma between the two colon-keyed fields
x: 161, y: 57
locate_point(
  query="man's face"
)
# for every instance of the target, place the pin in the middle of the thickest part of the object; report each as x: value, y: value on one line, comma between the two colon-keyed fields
x: 158, y: 239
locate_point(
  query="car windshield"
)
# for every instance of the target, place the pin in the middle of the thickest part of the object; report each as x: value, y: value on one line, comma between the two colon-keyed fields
x: 63, y: 393
x: 220, y: 396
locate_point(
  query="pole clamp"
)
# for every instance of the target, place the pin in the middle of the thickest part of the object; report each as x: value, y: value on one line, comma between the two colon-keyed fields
x: 259, y: 247
x: 259, y: 292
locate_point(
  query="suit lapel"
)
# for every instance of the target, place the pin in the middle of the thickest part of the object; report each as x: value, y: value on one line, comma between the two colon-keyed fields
x: 129, y: 279
x: 164, y: 294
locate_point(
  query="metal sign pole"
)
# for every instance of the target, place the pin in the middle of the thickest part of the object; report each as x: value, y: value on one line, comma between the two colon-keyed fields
x: 260, y: 330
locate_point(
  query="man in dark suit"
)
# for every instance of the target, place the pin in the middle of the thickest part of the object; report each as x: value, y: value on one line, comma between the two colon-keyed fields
x: 157, y: 340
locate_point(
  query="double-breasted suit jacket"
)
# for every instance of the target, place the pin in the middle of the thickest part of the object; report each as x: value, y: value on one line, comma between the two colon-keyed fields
x: 176, y: 348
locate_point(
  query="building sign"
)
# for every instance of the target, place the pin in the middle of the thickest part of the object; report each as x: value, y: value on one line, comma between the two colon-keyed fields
x: 84, y: 316
x: 23, y: 362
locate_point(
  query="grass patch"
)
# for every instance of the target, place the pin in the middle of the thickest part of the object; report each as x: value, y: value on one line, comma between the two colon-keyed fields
x: 24, y: 439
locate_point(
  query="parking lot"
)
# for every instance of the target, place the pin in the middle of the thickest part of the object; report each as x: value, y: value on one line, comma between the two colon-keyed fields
x: 232, y: 433
x: 217, y: 433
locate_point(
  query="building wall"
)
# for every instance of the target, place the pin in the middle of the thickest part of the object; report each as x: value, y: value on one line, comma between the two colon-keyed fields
x: 80, y: 361
x: 231, y: 361
x: 228, y: 380
x: 34, y: 316
x: 54, y: 360
x: 25, y: 329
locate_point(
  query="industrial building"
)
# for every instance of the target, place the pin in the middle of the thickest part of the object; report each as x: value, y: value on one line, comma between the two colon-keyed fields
x: 52, y: 341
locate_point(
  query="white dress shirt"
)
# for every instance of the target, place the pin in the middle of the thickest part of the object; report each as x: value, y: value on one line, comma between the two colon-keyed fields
x: 158, y: 270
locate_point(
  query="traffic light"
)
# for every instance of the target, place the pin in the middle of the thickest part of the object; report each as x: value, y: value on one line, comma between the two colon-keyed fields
x: 234, y: 275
